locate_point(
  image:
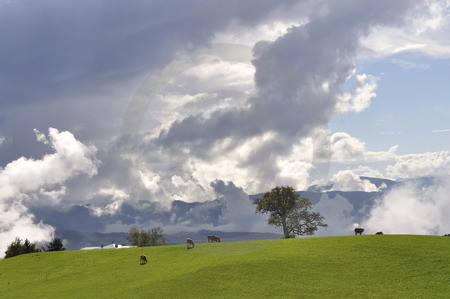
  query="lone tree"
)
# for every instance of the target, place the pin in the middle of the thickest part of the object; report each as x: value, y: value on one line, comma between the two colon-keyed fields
x: 287, y: 209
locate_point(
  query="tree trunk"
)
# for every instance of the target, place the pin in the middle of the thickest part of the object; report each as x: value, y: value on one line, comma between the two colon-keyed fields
x: 285, y: 228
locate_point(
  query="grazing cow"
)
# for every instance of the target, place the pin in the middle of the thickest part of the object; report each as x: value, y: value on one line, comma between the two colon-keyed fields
x: 212, y: 239
x: 190, y: 243
x: 359, y: 231
x: 143, y: 260
x: 379, y: 233
x: 447, y: 235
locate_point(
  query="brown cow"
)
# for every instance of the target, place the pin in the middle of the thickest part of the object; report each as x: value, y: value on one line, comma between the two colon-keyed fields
x: 359, y: 231
x: 379, y: 233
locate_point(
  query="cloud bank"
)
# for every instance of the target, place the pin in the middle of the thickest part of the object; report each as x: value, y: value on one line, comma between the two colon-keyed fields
x: 412, y: 209
x: 27, y: 180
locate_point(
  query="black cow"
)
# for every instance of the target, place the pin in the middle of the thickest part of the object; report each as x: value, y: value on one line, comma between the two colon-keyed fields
x: 359, y: 231
x: 143, y: 259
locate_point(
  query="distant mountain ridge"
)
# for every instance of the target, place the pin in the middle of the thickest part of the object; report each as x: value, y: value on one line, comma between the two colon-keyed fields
x: 79, y: 226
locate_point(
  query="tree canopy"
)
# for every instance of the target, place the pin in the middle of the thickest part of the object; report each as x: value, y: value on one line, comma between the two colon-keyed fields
x: 153, y: 237
x: 157, y: 236
x: 288, y: 210
x: 55, y: 244
x: 17, y: 248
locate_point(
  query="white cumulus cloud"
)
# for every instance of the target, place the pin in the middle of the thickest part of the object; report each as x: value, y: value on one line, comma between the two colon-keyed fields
x: 412, y: 165
x: 346, y: 180
x: 362, y: 96
x: 345, y: 147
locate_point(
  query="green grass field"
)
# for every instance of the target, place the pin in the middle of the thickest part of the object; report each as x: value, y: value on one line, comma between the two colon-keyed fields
x: 387, y: 266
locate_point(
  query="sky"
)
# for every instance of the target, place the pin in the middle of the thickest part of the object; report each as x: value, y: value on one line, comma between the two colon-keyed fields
x: 104, y: 103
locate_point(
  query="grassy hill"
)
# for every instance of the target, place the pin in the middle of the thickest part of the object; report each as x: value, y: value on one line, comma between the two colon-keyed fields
x: 386, y: 266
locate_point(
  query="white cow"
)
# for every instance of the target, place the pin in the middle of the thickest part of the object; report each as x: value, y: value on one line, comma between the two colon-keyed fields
x: 190, y: 243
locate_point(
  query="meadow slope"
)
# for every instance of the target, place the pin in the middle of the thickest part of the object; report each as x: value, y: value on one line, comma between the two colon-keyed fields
x: 387, y: 266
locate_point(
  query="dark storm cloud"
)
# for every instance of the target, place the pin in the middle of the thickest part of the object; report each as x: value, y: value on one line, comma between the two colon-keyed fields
x: 54, y: 47
x: 74, y: 64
